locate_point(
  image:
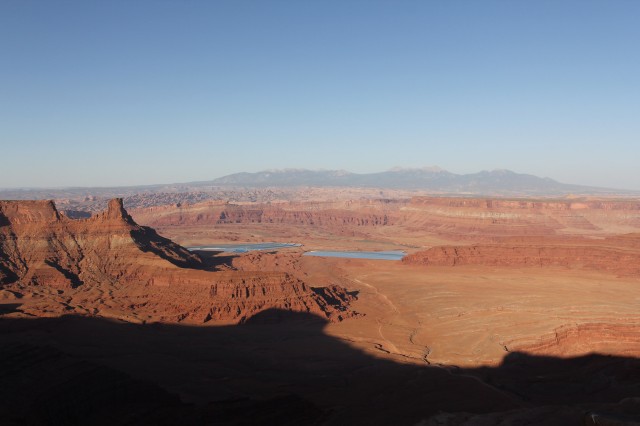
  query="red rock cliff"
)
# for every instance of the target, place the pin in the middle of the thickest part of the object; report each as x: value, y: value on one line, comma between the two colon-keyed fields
x: 41, y: 248
x: 596, y: 255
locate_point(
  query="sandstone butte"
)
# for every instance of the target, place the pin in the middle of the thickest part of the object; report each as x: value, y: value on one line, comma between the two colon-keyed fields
x: 114, y: 263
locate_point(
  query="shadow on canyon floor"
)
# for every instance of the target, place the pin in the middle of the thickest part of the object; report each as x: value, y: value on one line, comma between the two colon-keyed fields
x: 8, y: 308
x: 73, y: 278
x: 214, y: 260
x: 4, y: 220
x: 279, y: 368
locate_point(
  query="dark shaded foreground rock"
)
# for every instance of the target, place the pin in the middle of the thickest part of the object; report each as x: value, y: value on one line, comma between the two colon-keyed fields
x: 44, y: 386
x: 611, y: 419
x: 286, y: 372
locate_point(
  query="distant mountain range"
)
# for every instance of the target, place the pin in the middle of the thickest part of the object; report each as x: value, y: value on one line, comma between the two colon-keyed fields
x: 499, y: 182
x: 428, y: 179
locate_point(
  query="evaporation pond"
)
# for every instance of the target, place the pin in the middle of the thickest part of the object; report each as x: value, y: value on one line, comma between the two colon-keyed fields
x: 243, y: 248
x: 375, y: 255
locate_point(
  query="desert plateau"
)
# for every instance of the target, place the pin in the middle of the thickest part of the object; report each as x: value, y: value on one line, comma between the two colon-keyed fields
x: 503, y: 311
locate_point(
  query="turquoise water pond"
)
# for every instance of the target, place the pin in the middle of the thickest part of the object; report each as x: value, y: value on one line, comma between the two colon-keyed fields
x: 375, y: 255
x: 243, y: 248
x: 247, y: 247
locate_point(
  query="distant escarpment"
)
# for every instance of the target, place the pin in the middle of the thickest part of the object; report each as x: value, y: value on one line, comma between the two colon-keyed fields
x: 494, y: 217
x: 617, y: 255
x: 456, y: 218
x: 322, y: 214
x: 109, y: 265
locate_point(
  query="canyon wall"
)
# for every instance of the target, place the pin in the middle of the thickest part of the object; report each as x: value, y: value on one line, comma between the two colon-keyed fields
x: 324, y: 214
x: 594, y: 255
x: 471, y: 219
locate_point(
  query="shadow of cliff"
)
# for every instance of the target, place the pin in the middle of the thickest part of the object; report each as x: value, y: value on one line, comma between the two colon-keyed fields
x: 4, y: 220
x: 8, y: 308
x: 279, y: 368
x: 73, y: 278
x: 7, y: 276
x: 215, y: 260
x: 148, y: 240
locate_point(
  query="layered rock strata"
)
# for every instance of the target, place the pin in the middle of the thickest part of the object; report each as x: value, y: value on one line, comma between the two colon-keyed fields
x: 594, y: 256
x: 464, y: 219
x: 127, y: 267
x: 324, y: 214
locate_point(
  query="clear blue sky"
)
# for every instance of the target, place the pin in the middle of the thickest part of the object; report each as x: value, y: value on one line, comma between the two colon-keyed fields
x: 120, y: 92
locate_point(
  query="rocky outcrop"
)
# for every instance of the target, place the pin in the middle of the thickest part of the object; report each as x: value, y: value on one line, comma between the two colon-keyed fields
x: 606, y: 336
x: 131, y: 268
x: 41, y: 246
x: 601, y: 258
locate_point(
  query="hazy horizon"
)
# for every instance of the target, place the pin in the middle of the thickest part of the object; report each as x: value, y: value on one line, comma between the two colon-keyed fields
x: 155, y: 92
